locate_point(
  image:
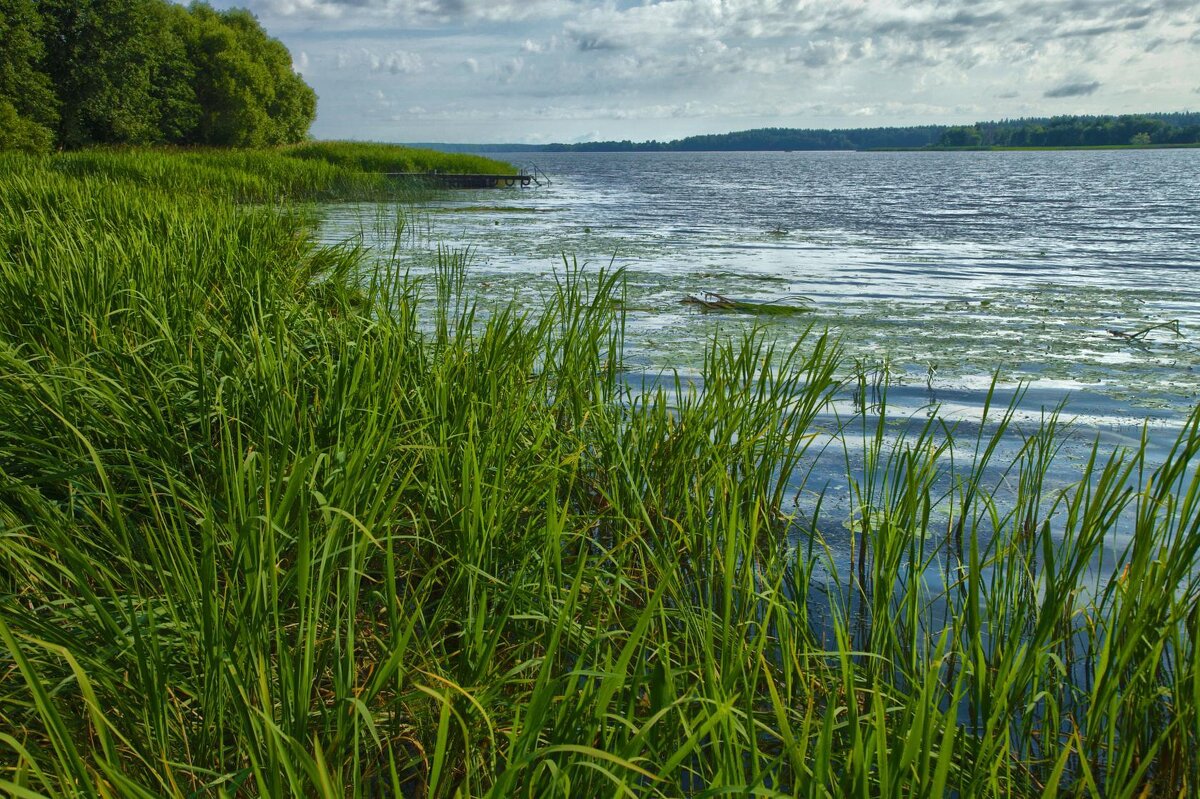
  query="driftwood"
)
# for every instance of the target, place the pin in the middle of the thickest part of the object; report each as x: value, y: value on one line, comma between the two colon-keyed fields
x: 711, y: 301
x: 1139, y: 335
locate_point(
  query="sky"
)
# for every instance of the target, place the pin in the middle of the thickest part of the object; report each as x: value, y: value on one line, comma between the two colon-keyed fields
x: 534, y: 71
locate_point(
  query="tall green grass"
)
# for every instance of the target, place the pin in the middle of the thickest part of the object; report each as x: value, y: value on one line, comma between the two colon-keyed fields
x: 264, y: 532
x: 370, y: 157
x: 305, y: 172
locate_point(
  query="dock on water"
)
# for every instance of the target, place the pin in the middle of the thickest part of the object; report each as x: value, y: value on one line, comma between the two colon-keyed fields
x: 447, y: 180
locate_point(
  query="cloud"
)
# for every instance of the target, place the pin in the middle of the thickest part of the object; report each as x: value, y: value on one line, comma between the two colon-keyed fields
x: 1080, y: 89
x: 414, y: 11
x: 656, y: 68
x: 511, y: 68
x: 816, y: 54
x: 402, y: 62
x: 835, y: 35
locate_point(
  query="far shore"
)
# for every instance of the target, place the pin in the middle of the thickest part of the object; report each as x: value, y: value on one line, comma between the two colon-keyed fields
x: 985, y: 148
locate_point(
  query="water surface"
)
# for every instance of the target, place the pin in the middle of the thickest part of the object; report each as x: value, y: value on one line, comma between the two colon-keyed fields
x: 940, y: 270
x: 947, y: 265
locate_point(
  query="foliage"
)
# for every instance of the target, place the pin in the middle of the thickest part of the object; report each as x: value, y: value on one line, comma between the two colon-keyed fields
x: 264, y: 531
x: 28, y: 107
x: 962, y: 136
x: 1094, y: 131
x: 20, y: 133
x: 145, y: 72
x: 248, y: 94
x: 101, y: 58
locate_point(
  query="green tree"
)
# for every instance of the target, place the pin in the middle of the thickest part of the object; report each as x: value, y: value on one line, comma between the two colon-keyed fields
x: 1140, y: 138
x: 147, y: 72
x: 28, y: 107
x: 962, y: 136
x: 174, y: 75
x: 248, y: 92
x: 101, y: 56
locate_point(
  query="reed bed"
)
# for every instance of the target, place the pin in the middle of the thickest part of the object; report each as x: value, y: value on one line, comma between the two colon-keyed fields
x: 265, y: 533
x: 306, y: 172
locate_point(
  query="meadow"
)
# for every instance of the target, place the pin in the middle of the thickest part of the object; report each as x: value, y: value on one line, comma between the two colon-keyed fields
x: 276, y: 519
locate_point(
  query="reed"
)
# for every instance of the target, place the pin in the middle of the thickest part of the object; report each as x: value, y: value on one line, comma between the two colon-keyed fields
x: 307, y: 172
x: 264, y: 531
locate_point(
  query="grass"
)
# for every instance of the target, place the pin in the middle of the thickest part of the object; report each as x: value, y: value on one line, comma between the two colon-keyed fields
x: 306, y: 172
x: 368, y: 157
x: 263, y: 531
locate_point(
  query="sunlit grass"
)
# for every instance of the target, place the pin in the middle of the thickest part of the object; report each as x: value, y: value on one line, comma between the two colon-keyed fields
x: 264, y: 532
x: 370, y: 157
x: 313, y: 171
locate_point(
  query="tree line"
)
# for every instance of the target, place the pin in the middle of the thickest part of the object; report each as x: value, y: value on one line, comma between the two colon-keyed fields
x: 1078, y: 131
x: 75, y: 73
x: 1065, y: 131
x: 773, y: 139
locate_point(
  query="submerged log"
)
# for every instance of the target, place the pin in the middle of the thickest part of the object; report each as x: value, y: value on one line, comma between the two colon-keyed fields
x: 711, y: 301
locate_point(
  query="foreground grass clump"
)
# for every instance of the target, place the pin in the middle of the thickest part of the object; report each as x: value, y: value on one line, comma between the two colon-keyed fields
x: 263, y: 533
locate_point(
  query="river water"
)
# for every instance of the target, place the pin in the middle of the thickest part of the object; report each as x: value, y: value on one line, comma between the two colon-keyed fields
x: 942, y: 270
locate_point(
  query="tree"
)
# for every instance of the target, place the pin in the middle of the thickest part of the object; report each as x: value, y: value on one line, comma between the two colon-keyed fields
x: 101, y: 57
x: 962, y: 136
x: 81, y: 72
x: 28, y: 107
x: 174, y: 86
x: 248, y: 93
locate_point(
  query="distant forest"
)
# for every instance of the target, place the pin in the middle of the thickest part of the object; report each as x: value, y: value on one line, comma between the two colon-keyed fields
x: 75, y: 73
x: 1063, y: 131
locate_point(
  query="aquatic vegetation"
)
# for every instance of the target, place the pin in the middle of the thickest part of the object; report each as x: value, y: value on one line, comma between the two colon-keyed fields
x: 314, y: 171
x: 265, y: 532
x: 375, y: 157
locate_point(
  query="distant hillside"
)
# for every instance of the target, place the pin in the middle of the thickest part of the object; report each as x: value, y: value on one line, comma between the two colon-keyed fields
x: 774, y: 139
x: 1061, y: 131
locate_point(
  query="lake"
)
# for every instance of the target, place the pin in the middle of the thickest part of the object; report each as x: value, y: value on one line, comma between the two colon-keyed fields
x: 938, y: 270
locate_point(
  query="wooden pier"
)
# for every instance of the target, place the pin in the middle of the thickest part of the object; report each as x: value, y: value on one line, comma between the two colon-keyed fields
x: 447, y: 180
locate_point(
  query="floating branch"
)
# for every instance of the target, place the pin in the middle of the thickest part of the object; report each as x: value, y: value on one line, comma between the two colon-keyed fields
x: 1173, y: 326
x: 709, y: 301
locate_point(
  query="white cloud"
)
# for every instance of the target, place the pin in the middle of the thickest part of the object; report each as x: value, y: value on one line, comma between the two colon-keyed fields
x: 402, y: 62
x: 516, y: 69
x: 412, y: 12
x: 511, y: 68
